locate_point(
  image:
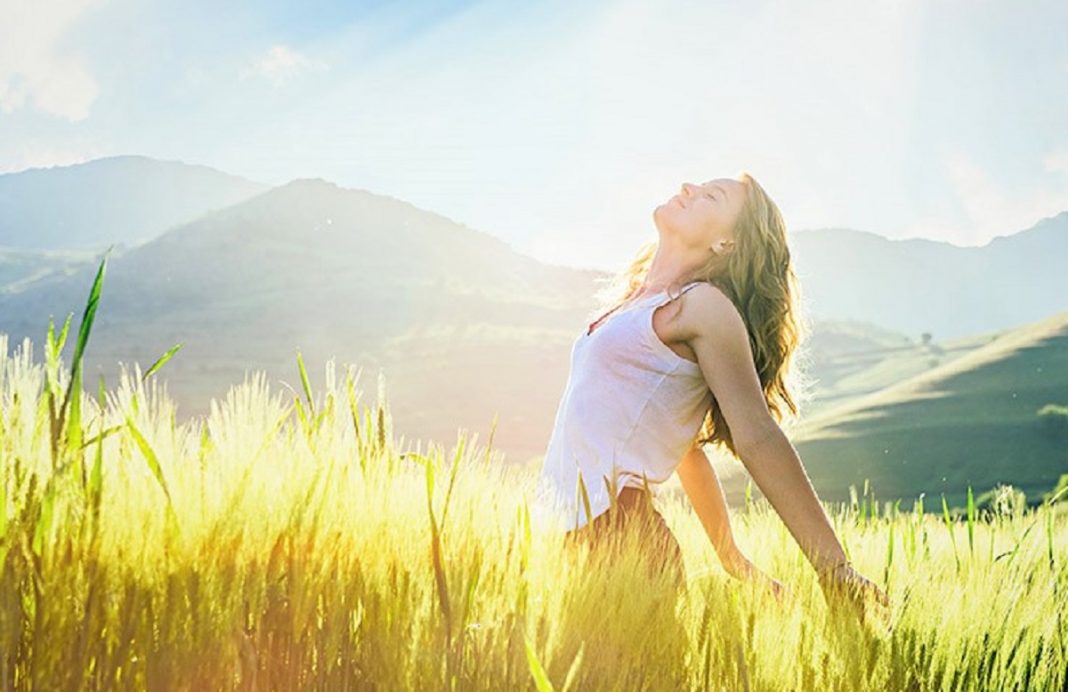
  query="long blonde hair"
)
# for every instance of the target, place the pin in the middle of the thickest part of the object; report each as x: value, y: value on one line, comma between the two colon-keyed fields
x: 758, y: 276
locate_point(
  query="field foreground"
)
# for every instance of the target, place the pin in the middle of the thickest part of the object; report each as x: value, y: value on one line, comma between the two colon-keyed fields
x: 288, y: 541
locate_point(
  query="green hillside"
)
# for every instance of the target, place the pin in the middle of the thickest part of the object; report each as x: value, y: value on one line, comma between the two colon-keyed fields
x: 847, y: 359
x: 970, y: 421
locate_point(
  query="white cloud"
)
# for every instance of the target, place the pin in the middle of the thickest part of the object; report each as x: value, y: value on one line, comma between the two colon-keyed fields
x: 281, y: 63
x: 33, y: 67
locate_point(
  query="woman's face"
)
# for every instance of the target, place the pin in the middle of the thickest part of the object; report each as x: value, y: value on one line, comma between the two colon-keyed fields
x: 703, y: 216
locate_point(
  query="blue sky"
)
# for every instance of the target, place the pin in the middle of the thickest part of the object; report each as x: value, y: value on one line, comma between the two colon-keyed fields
x: 559, y: 126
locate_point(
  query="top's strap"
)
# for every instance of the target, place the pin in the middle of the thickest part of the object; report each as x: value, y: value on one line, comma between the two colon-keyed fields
x: 682, y: 290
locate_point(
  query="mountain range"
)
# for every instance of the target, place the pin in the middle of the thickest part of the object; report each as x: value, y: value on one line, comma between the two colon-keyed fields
x: 918, y: 285
x: 122, y: 200
x: 463, y: 327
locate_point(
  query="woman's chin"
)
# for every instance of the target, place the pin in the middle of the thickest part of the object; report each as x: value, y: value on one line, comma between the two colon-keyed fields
x: 662, y: 217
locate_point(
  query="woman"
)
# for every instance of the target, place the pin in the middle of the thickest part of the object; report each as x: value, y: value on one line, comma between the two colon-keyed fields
x: 695, y: 349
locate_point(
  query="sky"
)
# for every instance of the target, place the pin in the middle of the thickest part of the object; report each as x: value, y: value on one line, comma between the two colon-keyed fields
x: 560, y: 126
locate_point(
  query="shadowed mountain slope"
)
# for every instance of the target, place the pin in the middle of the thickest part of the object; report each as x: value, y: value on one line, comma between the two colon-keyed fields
x: 973, y: 420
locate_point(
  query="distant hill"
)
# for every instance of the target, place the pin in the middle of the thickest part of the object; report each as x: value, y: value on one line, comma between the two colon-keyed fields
x: 20, y: 268
x: 970, y: 421
x: 915, y: 286
x: 462, y: 326
x: 906, y: 286
x: 848, y: 358
x: 123, y: 200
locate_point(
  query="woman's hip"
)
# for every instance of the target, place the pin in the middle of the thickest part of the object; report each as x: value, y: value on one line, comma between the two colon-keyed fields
x: 633, y: 511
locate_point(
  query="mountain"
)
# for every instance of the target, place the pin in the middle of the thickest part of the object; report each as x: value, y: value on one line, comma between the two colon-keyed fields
x: 973, y: 420
x: 123, y: 200
x: 464, y: 328
x: 461, y: 326
x: 908, y: 286
x: 20, y: 268
x: 917, y: 285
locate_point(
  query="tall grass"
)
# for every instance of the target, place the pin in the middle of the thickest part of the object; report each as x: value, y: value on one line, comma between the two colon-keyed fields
x: 290, y: 541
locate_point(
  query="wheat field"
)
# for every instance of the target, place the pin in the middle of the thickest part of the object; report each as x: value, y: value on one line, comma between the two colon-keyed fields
x: 288, y: 540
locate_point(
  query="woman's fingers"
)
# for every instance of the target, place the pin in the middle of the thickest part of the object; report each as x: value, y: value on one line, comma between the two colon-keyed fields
x: 858, y: 592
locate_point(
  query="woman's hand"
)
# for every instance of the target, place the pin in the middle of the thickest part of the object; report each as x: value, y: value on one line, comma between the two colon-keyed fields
x: 841, y: 584
x: 740, y: 567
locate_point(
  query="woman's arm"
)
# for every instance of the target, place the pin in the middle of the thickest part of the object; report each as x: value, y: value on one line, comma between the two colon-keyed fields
x: 702, y: 486
x: 713, y: 327
x: 776, y: 468
x: 715, y: 330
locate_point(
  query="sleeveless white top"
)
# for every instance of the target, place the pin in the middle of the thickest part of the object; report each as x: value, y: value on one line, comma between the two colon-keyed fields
x: 631, y: 406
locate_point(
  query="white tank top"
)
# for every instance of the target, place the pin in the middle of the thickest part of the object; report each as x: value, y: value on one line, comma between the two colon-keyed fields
x: 631, y: 406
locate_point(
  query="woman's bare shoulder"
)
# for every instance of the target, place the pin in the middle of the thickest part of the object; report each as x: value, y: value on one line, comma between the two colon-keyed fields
x: 707, y: 309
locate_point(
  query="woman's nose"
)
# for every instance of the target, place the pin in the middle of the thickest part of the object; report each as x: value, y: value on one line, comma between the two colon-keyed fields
x: 687, y: 188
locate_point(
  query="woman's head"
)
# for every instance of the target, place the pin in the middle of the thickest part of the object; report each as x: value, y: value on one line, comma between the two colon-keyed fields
x: 730, y: 233
x: 701, y: 218
x: 722, y: 225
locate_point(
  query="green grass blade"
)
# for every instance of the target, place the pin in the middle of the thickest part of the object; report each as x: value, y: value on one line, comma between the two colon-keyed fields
x: 104, y: 433
x: 150, y: 457
x: 1012, y: 553
x: 610, y: 486
x: 94, y: 491
x: 79, y: 348
x: 585, y: 499
x: 436, y: 552
x: 489, y: 443
x: 305, y: 384
x: 1057, y: 496
x: 301, y: 416
x: 74, y: 421
x: 452, y: 477
x: 51, y: 389
x: 949, y: 527
x: 43, y: 525
x: 572, y: 672
x: 90, y: 311
x: 1050, y: 540
x: 63, y: 333
x: 161, y: 361
x: 971, y: 521
x: 889, y: 553
x: 527, y: 536
x: 541, y: 678
x: 51, y: 352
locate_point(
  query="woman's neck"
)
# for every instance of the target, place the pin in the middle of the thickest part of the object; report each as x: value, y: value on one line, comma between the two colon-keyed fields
x: 666, y: 270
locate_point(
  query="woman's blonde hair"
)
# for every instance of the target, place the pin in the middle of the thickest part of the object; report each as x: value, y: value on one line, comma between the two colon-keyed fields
x: 758, y: 276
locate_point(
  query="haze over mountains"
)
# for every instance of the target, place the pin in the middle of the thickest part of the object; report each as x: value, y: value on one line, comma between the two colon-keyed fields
x: 918, y: 285
x: 122, y: 199
x: 446, y: 312
x: 462, y: 326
